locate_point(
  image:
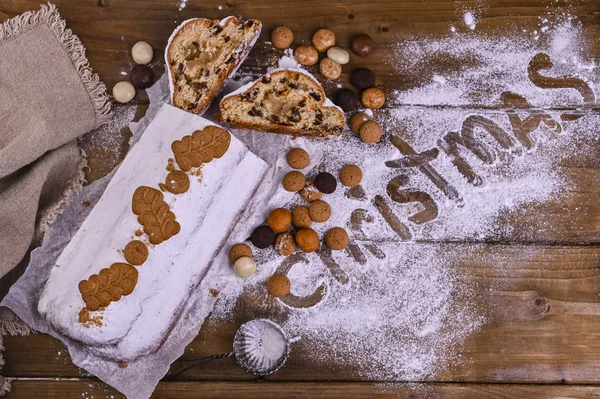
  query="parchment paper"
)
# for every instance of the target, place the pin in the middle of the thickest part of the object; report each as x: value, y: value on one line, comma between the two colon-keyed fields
x: 139, y: 379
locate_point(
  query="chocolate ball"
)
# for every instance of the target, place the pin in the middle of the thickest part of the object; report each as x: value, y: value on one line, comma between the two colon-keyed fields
x: 141, y: 76
x: 262, y: 237
x: 325, y: 183
x: 346, y: 99
x: 362, y: 44
x: 362, y: 78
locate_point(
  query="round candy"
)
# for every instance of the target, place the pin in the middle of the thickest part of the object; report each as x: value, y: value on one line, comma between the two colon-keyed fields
x: 346, y: 99
x: 244, y: 267
x: 282, y: 37
x: 297, y: 158
x: 319, y: 211
x: 370, y: 132
x: 306, y: 55
x: 177, y: 182
x: 279, y: 285
x: 362, y: 44
x: 373, y: 98
x: 323, y: 39
x: 141, y: 76
x: 325, y: 183
x: 135, y: 252
x: 310, y: 192
x: 262, y: 237
x: 238, y: 251
x: 294, y: 181
x: 338, y: 55
x: 307, y: 239
x: 142, y: 53
x: 301, y: 217
x: 337, y: 239
x: 123, y: 92
x: 330, y: 69
x: 362, y: 78
x: 351, y: 175
x: 357, y: 120
x: 285, y: 244
x: 279, y: 220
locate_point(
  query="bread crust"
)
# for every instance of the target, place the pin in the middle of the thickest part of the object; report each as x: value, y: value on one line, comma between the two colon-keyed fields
x: 223, y: 75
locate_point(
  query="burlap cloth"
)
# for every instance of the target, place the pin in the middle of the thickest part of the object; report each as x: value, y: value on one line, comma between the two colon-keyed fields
x: 49, y: 96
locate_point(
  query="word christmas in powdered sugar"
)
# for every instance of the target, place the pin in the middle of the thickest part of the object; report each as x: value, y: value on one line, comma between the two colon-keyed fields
x: 524, y: 120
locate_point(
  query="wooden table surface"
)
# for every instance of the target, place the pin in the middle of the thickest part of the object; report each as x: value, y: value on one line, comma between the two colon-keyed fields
x: 542, y: 335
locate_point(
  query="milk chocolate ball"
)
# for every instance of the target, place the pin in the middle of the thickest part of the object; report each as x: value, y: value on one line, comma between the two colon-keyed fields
x: 362, y: 44
x: 325, y: 183
x: 346, y: 99
x: 141, y: 76
x: 362, y: 78
x: 262, y: 237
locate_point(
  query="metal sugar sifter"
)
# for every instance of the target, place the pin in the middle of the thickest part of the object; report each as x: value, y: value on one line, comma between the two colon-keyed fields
x: 260, y: 347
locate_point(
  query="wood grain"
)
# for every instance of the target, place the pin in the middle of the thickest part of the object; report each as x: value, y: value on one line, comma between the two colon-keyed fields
x: 331, y: 390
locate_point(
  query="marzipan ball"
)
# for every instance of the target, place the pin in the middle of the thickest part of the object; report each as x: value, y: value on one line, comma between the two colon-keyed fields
x: 357, y: 120
x: 325, y: 183
x: 279, y: 285
x: 362, y: 78
x: 123, y: 92
x: 337, y: 239
x: 244, y: 267
x: 294, y: 181
x: 350, y: 175
x: 310, y: 192
x: 373, y: 98
x: 239, y: 250
x: 307, y: 239
x: 297, y: 158
x: 301, y: 217
x: 141, y: 76
x: 346, y: 99
x: 306, y: 55
x: 279, y: 220
x: 262, y: 237
x: 319, y: 211
x: 142, y: 53
x: 323, y: 39
x: 338, y: 55
x: 370, y: 132
x: 362, y: 44
x: 330, y: 69
x: 282, y: 37
x: 285, y: 244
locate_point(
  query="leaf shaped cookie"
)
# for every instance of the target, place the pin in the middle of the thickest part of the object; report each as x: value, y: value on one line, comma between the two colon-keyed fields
x: 154, y: 214
x: 201, y: 147
x: 109, y: 285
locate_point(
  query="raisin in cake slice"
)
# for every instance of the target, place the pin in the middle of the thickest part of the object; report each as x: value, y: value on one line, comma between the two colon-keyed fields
x: 202, y: 54
x: 285, y: 101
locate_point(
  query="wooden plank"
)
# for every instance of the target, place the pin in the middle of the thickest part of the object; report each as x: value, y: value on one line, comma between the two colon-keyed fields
x: 330, y: 390
x: 109, y: 28
x: 541, y: 304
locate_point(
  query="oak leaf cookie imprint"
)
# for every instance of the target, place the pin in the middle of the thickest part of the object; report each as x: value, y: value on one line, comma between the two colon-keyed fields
x: 154, y: 214
x: 109, y: 285
x: 201, y: 147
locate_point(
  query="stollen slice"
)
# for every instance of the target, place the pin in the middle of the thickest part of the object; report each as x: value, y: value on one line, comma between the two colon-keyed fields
x: 202, y: 54
x: 285, y: 101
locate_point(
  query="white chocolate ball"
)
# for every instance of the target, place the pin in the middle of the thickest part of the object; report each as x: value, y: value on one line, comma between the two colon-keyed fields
x: 338, y: 55
x: 142, y: 53
x: 123, y: 92
x: 244, y: 267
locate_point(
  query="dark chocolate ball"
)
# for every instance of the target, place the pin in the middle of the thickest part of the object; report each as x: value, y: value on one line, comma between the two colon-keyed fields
x: 141, y: 76
x: 325, y: 182
x: 362, y: 44
x: 346, y: 99
x: 362, y: 78
x: 262, y: 237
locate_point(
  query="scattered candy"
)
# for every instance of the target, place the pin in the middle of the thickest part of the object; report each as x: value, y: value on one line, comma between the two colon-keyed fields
x: 123, y: 92
x: 244, y: 267
x: 362, y: 78
x: 262, y: 237
x: 282, y: 37
x: 142, y: 53
x: 325, y: 183
x: 362, y: 44
x: 323, y: 39
x: 141, y: 76
x: 338, y: 55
